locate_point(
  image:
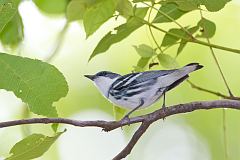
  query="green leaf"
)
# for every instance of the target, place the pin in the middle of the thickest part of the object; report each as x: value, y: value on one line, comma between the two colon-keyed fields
x: 182, y: 45
x: 32, y: 146
x: 214, y: 5
x: 118, y: 113
x: 124, y: 7
x: 170, y: 9
x: 167, y: 61
x: 55, y: 126
x: 75, y: 10
x: 136, y: 1
x: 37, y: 83
x: 12, y: 34
x: 145, y: 51
x: 183, y: 42
x: 97, y: 14
x: 8, y: 8
x: 142, y: 63
x: 169, y: 40
x: 186, y: 5
x: 52, y: 6
x: 123, y: 31
x: 208, y: 28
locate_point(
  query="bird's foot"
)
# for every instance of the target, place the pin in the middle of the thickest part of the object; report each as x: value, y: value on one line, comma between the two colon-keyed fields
x: 163, y: 109
x: 126, y: 118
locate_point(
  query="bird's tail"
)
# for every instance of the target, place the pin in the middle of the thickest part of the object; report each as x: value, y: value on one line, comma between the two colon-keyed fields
x: 191, y: 67
x: 179, y: 75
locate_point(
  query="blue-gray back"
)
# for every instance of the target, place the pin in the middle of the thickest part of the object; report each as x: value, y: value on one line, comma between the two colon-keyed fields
x: 148, y: 78
x: 152, y: 75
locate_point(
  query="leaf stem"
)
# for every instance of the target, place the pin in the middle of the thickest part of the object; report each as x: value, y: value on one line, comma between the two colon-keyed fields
x: 170, y: 18
x: 59, y: 43
x: 217, y: 63
x: 212, y: 92
x: 150, y: 30
x: 230, y: 93
x: 225, y: 134
x: 190, y: 39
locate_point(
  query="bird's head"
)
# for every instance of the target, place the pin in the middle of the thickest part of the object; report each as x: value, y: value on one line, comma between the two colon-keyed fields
x: 103, y: 80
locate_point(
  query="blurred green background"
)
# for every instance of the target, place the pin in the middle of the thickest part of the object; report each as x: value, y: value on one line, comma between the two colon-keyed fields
x: 198, y: 135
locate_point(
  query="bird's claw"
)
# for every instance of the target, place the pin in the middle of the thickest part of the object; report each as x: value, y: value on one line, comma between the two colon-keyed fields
x: 126, y: 118
x: 164, y: 109
x: 105, y: 130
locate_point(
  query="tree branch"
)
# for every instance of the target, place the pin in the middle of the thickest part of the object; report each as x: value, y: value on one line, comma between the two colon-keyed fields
x: 137, y: 135
x: 146, y: 120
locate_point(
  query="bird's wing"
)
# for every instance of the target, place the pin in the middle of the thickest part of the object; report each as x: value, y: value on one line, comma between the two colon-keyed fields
x: 136, y: 81
x: 152, y: 75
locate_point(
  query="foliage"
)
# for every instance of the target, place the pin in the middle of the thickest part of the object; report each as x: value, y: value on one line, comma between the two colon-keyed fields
x: 32, y: 146
x: 39, y: 84
x: 51, y: 7
x: 8, y: 9
x: 123, y: 31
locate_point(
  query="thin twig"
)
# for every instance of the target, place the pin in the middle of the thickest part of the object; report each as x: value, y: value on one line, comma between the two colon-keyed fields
x: 225, y: 139
x: 190, y: 39
x: 217, y: 63
x: 58, y: 44
x: 145, y: 119
x: 151, y: 32
x: 229, y: 91
x: 212, y: 92
x: 170, y: 18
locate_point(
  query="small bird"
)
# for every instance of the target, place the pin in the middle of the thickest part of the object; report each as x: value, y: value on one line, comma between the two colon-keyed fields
x: 142, y: 89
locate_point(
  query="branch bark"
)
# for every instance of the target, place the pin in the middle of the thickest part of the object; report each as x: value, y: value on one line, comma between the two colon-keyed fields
x: 146, y: 120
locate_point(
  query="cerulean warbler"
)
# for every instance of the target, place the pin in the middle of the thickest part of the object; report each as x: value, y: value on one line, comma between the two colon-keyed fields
x: 142, y: 89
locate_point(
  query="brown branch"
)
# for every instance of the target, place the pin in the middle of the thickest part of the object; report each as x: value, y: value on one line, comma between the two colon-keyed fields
x: 137, y: 135
x: 146, y: 120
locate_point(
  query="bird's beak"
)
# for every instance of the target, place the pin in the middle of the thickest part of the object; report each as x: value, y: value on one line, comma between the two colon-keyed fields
x: 90, y: 77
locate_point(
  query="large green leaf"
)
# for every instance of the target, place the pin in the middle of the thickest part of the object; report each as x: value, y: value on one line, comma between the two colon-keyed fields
x: 97, y: 14
x: 208, y: 28
x: 8, y: 8
x: 77, y: 8
x: 214, y: 5
x: 32, y: 147
x: 12, y: 34
x: 52, y: 6
x: 123, y: 31
x: 124, y: 7
x: 171, y: 10
x: 37, y: 83
x: 145, y: 51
